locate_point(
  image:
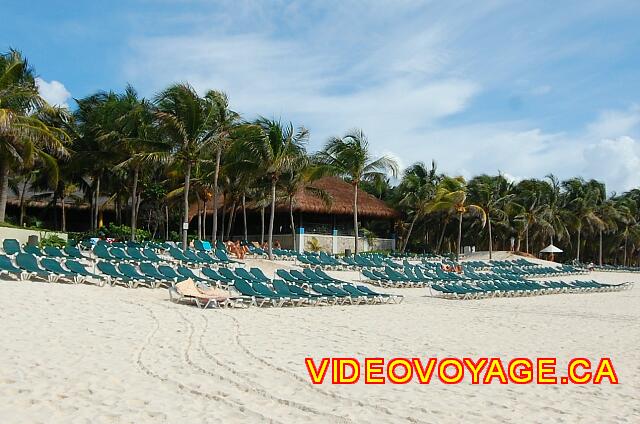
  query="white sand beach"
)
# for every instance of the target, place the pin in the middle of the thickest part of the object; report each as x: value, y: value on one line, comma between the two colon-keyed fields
x: 87, y: 354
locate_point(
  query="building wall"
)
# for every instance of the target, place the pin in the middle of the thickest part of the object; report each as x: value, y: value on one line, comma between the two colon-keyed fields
x: 328, y: 243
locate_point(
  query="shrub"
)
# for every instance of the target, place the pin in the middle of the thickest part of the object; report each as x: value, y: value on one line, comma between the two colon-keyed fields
x: 52, y: 240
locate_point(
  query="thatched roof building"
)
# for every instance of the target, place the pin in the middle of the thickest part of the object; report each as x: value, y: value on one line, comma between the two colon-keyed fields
x: 341, y: 194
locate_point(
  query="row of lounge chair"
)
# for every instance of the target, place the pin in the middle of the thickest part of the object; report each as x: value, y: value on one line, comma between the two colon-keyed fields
x: 522, y: 288
x: 308, y: 288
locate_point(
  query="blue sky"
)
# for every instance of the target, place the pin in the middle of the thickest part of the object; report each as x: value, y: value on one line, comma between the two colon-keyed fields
x: 523, y: 88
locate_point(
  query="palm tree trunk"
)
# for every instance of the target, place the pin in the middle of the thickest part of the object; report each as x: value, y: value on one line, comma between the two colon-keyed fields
x: 166, y: 222
x: 224, y: 215
x: 22, y: 208
x: 232, y: 215
x: 490, y: 237
x: 64, y: 216
x: 97, y: 208
x: 526, y: 238
x: 4, y: 189
x: 406, y: 242
x: 244, y: 216
x: 134, y: 201
x: 578, y: 247
x: 199, y: 218
x: 204, y: 219
x: 624, y: 259
x: 272, y: 217
x: 444, y: 227
x: 355, y: 217
x: 600, y: 248
x: 185, y: 211
x: 214, y: 231
x: 293, y: 225
x: 261, y: 226
x: 459, y: 236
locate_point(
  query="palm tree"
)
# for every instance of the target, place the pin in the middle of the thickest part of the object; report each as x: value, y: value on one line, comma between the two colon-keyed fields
x: 493, y: 195
x: 23, y: 134
x: 555, y: 215
x: 528, y: 205
x: 418, y: 188
x: 225, y: 120
x: 350, y: 158
x: 582, y: 201
x: 277, y: 149
x: 188, y: 122
x: 451, y: 198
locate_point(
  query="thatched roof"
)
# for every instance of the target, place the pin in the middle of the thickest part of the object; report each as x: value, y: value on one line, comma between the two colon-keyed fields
x: 341, y: 194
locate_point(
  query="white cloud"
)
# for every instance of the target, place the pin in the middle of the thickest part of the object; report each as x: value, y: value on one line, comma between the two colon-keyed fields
x: 616, y: 161
x: 615, y: 123
x: 404, y: 85
x: 54, y: 92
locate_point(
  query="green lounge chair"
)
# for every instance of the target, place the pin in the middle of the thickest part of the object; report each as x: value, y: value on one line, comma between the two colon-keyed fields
x: 281, y: 288
x: 193, y: 258
x: 227, y: 273
x: 7, y: 267
x: 132, y: 273
x: 11, y: 246
x: 267, y: 292
x: 257, y: 272
x: 395, y: 298
x: 318, y: 298
x: 257, y: 299
x: 28, y: 263
x: 74, y: 252
x: 78, y: 268
x: 120, y: 254
x: 246, y: 275
x: 222, y: 255
x: 151, y: 255
x: 54, y: 252
x: 288, y: 277
x: 329, y: 294
x: 148, y: 269
x: 354, y: 292
x: 135, y: 254
x: 187, y: 273
x: 101, y: 252
x: 114, y: 276
x: 214, y: 275
x: 32, y: 249
x: 170, y: 273
x: 55, y: 267
x: 205, y: 257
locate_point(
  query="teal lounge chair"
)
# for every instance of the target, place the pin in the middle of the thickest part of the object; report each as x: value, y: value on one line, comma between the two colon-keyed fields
x: 187, y: 273
x: 78, y: 268
x: 257, y: 299
x: 11, y: 246
x: 32, y: 249
x: 151, y: 255
x: 148, y: 269
x: 170, y: 273
x: 54, y: 252
x: 257, y: 272
x: 281, y: 288
x: 55, y: 267
x: 114, y: 276
x: 214, y: 275
x: 28, y: 263
x: 395, y: 298
x: 132, y: 273
x: 74, y: 252
x: 7, y: 267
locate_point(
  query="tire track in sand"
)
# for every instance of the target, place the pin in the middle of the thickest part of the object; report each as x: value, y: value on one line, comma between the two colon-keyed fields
x: 315, y: 389
x: 216, y: 395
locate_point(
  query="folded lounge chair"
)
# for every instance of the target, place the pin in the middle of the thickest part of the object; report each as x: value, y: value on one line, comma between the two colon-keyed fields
x: 188, y: 291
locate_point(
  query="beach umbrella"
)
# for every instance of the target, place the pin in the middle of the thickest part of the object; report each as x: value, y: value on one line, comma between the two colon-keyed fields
x: 551, y: 249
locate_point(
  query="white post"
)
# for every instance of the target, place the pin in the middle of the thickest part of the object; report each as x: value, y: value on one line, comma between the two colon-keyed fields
x: 334, y: 242
x: 300, y: 240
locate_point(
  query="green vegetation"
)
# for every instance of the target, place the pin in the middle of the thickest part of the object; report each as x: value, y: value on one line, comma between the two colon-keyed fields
x: 155, y: 163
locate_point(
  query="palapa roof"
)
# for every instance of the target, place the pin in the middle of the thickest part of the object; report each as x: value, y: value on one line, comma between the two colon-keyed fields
x: 341, y: 194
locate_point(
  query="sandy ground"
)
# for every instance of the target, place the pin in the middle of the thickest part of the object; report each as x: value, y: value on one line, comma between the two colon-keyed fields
x: 85, y: 354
